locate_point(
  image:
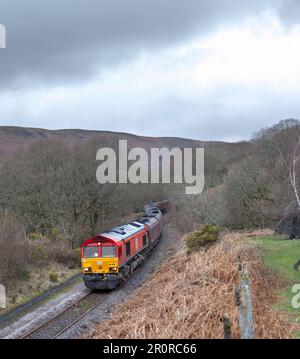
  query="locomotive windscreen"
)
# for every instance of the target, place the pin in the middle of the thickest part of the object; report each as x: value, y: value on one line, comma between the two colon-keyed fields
x: 90, y: 252
x: 108, y: 251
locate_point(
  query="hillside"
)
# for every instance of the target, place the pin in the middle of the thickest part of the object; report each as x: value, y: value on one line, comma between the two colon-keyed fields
x: 13, y: 138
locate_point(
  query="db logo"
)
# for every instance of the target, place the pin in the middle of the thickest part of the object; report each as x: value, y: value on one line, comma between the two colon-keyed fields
x: 2, y: 37
x: 296, y: 298
x: 2, y: 297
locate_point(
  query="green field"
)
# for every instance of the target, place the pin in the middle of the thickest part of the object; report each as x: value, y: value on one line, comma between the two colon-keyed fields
x: 280, y: 256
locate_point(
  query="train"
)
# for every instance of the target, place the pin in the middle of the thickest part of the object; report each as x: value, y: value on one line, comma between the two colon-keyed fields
x: 111, y: 257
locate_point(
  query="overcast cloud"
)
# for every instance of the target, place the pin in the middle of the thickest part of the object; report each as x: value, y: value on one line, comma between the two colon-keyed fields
x: 217, y: 69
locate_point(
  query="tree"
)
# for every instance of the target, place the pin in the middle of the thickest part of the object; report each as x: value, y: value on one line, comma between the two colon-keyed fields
x: 282, y: 142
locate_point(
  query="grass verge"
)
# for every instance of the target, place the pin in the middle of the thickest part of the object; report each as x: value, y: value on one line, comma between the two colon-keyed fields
x: 38, y: 283
x: 279, y: 256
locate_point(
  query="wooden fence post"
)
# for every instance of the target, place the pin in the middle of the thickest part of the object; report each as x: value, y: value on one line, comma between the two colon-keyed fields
x: 245, y: 307
x: 2, y: 297
x: 227, y: 327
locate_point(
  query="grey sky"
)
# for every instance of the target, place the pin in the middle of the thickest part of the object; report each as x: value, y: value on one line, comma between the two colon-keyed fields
x: 217, y: 69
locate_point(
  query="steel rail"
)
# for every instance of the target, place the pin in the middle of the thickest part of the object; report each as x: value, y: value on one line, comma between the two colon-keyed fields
x: 81, y: 317
x: 43, y: 325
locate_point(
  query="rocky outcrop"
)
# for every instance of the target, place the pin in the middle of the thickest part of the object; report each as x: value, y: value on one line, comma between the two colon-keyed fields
x: 290, y: 223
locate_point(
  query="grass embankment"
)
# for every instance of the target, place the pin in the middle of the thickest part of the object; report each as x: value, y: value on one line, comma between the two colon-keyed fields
x: 280, y: 257
x: 188, y: 296
x: 38, y: 283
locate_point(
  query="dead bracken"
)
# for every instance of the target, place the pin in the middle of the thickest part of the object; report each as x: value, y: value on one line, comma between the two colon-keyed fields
x: 188, y: 296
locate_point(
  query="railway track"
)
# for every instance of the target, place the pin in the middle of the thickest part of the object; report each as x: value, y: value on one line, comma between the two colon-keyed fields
x: 63, y: 321
x: 66, y: 319
x: 59, y: 324
x: 20, y: 310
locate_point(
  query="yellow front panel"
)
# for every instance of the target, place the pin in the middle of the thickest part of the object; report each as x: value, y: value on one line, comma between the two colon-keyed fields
x: 100, y: 265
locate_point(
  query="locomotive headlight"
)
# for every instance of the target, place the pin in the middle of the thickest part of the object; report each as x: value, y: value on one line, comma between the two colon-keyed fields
x: 113, y: 269
x: 87, y: 269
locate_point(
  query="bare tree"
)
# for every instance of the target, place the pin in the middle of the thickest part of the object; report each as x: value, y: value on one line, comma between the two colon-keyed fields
x: 291, y: 162
x: 280, y: 147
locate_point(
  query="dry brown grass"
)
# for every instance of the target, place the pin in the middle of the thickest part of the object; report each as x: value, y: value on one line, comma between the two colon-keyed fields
x: 29, y: 267
x: 258, y: 233
x: 38, y: 282
x: 188, y: 296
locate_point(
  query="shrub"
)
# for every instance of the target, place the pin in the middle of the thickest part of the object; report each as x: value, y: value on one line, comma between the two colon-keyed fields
x: 39, y: 254
x: 15, y: 255
x: 35, y: 236
x: 53, y: 276
x: 55, y: 234
x: 59, y: 252
x: 202, y: 238
x: 77, y: 256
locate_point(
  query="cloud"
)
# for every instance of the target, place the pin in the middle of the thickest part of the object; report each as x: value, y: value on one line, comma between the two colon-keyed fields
x: 224, y: 85
x: 62, y: 40
x: 289, y: 11
x: 206, y: 70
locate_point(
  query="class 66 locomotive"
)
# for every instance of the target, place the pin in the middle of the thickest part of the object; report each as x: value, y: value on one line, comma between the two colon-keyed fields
x: 111, y: 257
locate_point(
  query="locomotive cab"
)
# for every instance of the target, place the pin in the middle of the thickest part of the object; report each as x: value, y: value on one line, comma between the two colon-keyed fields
x: 99, y: 257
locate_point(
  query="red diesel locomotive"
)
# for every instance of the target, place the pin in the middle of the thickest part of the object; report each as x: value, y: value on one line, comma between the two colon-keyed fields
x: 111, y: 257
